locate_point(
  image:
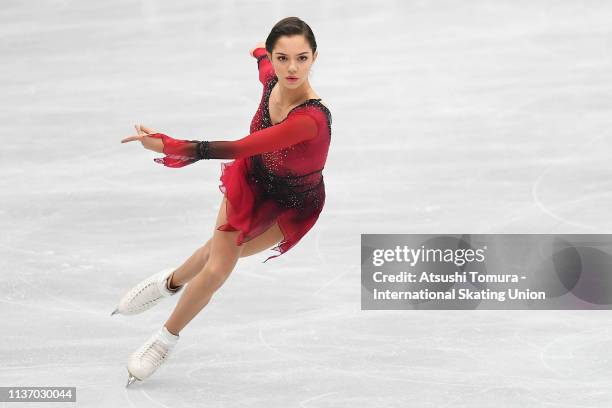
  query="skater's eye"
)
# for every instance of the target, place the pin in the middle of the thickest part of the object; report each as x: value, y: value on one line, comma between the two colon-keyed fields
x: 302, y: 58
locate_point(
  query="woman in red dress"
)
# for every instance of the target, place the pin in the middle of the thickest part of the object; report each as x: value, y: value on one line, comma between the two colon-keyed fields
x: 273, y: 190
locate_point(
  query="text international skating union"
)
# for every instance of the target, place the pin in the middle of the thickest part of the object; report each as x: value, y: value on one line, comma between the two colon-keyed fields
x: 460, y: 294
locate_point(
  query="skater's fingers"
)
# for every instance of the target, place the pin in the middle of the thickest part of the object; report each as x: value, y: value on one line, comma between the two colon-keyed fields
x: 131, y: 138
x: 146, y: 129
x: 139, y: 130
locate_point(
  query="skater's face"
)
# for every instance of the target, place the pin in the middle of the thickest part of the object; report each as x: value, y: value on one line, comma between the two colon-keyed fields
x: 292, y: 57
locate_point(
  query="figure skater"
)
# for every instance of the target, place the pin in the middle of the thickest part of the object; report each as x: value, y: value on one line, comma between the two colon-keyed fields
x: 273, y: 190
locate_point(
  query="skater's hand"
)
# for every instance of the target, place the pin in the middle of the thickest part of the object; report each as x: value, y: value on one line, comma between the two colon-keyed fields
x: 258, y: 45
x: 145, y: 129
x: 149, y: 143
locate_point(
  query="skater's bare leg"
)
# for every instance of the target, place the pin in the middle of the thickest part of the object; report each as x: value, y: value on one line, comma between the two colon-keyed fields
x: 224, y: 254
x: 262, y: 242
x: 192, y: 266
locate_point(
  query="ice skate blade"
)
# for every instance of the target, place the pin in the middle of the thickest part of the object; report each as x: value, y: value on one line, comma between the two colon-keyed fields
x: 115, y: 311
x: 131, y: 380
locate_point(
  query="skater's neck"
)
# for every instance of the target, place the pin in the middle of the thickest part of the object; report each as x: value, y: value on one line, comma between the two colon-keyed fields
x: 286, y: 96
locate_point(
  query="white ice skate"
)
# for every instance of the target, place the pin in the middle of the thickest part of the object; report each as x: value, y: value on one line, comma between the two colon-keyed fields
x: 146, y: 294
x: 147, y: 359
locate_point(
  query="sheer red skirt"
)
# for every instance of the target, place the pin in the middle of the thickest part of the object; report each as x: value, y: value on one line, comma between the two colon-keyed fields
x: 253, y: 207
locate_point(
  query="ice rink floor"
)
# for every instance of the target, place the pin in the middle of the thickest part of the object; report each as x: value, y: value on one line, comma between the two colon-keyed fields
x: 448, y: 117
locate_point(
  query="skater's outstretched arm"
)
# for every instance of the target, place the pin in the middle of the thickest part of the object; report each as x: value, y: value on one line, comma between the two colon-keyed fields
x: 296, y: 128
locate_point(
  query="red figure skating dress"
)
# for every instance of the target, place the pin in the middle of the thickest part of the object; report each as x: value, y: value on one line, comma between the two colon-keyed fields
x: 276, y: 174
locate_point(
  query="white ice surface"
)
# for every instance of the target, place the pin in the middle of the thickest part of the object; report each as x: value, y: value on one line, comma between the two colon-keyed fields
x: 449, y: 117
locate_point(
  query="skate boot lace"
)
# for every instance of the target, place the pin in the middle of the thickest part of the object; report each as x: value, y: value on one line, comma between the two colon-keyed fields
x: 150, y: 290
x: 155, y: 353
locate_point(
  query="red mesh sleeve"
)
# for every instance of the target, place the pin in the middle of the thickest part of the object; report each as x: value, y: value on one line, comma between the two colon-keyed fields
x: 266, y: 70
x: 297, y: 128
